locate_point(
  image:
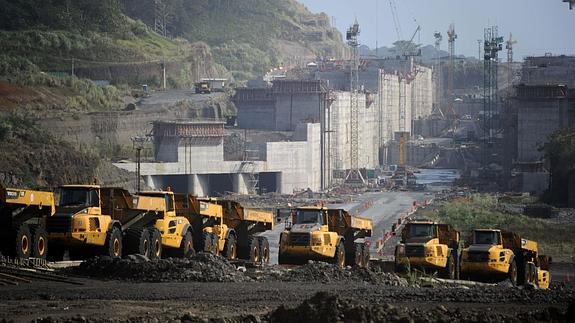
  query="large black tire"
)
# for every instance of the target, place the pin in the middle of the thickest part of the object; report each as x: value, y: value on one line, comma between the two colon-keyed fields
x: 530, y: 274
x: 255, y: 251
x: 358, y: 255
x: 186, y: 248
x: 365, y: 256
x: 450, y: 268
x: 339, y: 257
x: 208, y: 243
x: 155, y: 243
x: 231, y: 248
x: 113, y: 245
x: 23, y: 242
x: 215, y: 244
x: 138, y: 241
x: 264, y: 250
x: 512, y: 273
x: 40, y: 243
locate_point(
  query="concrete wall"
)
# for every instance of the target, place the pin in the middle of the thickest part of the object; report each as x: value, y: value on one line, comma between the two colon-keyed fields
x: 339, y: 136
x: 536, y: 120
x: 291, y: 109
x: 298, y: 163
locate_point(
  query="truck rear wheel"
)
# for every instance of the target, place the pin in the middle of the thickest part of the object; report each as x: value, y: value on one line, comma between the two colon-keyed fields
x: 155, y: 243
x: 512, y: 273
x: 137, y: 241
x: 186, y: 248
x: 365, y: 256
x: 23, y: 242
x: 215, y: 244
x: 358, y: 255
x: 255, y: 250
x: 265, y: 250
x: 231, y: 248
x: 40, y: 240
x: 339, y: 258
x: 113, y: 246
x: 449, y: 271
x: 208, y: 243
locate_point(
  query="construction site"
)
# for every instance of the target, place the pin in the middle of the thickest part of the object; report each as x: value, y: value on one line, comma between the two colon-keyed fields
x: 428, y: 180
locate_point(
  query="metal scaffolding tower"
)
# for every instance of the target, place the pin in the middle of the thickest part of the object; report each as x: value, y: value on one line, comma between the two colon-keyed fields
x: 354, y: 175
x: 438, y: 75
x: 492, y: 45
x: 451, y: 37
x: 509, y: 46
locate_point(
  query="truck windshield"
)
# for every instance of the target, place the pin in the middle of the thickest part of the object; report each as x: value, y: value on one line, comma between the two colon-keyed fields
x: 486, y: 237
x: 79, y: 197
x: 421, y: 230
x: 309, y: 216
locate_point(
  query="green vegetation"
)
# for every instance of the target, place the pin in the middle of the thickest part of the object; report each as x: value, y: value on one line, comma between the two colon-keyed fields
x: 34, y: 158
x: 481, y: 211
x: 244, y: 35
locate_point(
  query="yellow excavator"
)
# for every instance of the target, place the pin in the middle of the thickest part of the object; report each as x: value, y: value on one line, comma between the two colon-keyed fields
x: 326, y: 234
x: 497, y: 255
x: 429, y: 246
x: 23, y: 215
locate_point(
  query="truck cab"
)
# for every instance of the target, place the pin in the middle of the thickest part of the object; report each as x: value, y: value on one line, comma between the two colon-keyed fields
x: 319, y: 233
x: 429, y: 246
x: 79, y: 220
x: 174, y: 227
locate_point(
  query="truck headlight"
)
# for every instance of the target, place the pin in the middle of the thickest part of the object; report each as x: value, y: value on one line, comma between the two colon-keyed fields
x: 317, y: 240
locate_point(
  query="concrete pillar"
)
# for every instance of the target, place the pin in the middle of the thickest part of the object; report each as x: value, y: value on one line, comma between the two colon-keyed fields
x: 240, y: 182
x: 199, y: 184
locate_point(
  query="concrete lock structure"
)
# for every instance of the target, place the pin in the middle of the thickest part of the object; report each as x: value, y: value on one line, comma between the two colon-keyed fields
x: 312, y: 115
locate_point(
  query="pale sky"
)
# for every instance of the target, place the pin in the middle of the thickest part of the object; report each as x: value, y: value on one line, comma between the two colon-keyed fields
x: 539, y: 26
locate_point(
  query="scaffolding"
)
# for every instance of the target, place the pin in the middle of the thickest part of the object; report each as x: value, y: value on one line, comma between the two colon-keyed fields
x: 354, y: 175
x: 492, y: 45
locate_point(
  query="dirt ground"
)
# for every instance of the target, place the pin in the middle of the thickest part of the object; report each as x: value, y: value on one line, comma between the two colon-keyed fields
x: 279, y: 295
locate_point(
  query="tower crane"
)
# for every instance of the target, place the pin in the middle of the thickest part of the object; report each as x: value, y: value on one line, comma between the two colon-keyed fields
x: 509, y: 46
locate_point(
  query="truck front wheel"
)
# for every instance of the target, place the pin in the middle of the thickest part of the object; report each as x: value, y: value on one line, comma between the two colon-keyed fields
x: 512, y: 273
x: 113, y: 246
x: 339, y: 258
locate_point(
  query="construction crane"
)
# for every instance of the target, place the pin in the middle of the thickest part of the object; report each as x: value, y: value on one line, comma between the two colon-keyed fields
x: 509, y: 46
x: 451, y: 37
x: 571, y: 3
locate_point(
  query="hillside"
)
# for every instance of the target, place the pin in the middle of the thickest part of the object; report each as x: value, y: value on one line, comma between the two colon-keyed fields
x: 249, y: 36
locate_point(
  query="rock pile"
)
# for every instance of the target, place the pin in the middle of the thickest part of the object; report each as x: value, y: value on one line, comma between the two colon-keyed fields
x: 203, y: 267
x: 328, y: 273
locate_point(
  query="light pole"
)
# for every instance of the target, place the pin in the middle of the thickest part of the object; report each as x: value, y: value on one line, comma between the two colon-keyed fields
x: 138, y: 144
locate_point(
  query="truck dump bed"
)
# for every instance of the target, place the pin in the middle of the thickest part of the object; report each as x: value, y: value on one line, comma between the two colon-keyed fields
x: 22, y: 197
x: 341, y: 220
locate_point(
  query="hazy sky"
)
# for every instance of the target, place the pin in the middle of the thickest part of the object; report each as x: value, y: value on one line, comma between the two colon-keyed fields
x: 539, y: 26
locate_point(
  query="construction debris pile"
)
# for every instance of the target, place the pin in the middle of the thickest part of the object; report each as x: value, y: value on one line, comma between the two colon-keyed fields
x: 325, y: 307
x: 203, y: 267
x: 326, y: 273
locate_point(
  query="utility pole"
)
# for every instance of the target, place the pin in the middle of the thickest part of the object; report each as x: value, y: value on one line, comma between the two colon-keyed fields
x: 452, y: 36
x: 138, y: 144
x: 164, y: 73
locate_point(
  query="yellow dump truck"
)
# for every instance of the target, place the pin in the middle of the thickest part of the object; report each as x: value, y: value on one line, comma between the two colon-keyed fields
x: 497, y: 255
x: 234, y: 231
x: 326, y: 234
x: 429, y: 246
x: 22, y: 222
x: 92, y: 219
